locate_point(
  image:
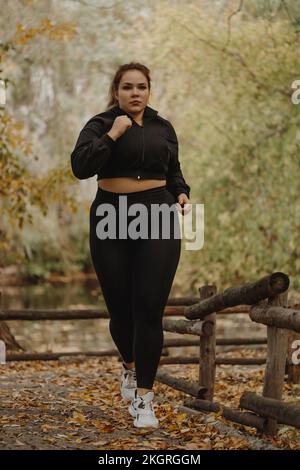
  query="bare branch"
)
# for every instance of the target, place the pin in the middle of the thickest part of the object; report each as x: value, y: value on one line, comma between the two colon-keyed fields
x: 287, y: 11
x: 237, y: 56
x: 235, y: 12
x: 98, y: 7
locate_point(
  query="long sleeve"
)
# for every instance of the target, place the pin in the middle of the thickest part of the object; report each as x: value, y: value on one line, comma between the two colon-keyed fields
x: 175, y: 181
x: 92, y: 150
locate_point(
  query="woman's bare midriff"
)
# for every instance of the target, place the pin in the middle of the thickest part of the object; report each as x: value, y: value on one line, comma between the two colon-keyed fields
x: 128, y: 185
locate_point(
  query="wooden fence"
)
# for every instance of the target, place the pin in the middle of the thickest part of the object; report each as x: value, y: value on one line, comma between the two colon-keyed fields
x: 265, y: 301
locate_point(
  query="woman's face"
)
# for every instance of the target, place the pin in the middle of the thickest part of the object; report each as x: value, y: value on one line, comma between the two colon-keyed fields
x: 133, y: 86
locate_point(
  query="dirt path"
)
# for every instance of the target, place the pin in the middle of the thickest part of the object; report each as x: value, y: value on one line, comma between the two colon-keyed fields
x: 76, y: 404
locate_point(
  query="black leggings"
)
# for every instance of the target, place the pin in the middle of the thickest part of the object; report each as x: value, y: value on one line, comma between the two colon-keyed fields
x: 136, y: 277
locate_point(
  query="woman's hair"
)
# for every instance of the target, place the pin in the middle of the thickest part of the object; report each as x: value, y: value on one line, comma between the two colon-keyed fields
x: 112, y: 101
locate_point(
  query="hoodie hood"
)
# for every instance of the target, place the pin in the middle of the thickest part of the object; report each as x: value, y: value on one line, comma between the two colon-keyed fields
x: 149, y: 113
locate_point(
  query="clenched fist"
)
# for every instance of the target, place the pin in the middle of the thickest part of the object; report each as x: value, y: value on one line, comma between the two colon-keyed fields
x: 120, y: 125
x: 183, y: 204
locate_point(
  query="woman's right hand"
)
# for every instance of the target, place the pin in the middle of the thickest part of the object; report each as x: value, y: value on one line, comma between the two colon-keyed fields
x: 120, y: 125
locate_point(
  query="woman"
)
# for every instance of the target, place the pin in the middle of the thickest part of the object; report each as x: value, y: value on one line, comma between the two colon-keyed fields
x: 134, y: 153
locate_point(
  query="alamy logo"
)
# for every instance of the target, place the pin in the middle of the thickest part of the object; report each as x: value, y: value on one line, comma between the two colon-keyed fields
x: 296, y: 354
x: 296, y: 94
x: 162, y: 222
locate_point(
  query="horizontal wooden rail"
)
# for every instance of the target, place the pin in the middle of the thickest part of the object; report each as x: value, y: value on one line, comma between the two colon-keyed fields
x: 236, y: 416
x: 55, y: 356
x: 280, y: 317
x: 88, y: 314
x: 243, y: 361
x: 285, y: 413
x: 200, y: 328
x: 249, y: 294
x: 192, y: 388
x: 33, y: 356
x: 178, y: 342
x: 67, y: 314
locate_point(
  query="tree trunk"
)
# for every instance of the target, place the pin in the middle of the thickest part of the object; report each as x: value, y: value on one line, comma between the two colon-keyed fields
x: 6, y: 336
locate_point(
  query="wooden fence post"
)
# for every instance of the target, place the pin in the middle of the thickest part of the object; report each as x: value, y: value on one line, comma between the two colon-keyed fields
x: 207, y: 359
x: 276, y: 361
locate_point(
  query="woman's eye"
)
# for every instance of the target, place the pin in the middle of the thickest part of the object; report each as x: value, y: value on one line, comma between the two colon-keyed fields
x: 127, y: 87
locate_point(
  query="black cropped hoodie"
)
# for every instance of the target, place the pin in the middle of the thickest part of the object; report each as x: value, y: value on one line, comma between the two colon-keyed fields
x: 143, y: 152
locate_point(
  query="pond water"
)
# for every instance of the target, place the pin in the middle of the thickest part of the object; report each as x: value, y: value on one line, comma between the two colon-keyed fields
x: 90, y: 335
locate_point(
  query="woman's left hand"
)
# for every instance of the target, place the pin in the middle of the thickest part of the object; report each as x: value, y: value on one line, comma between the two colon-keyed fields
x: 183, y: 205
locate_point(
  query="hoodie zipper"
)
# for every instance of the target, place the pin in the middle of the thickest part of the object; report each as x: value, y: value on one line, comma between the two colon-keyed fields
x: 143, y: 145
x: 143, y: 150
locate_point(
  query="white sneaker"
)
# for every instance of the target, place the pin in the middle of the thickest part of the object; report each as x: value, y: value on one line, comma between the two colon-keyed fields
x: 128, y: 383
x: 141, y: 408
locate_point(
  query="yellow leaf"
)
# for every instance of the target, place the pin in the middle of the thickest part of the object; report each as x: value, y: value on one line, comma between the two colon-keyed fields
x: 78, y: 417
x: 181, y: 417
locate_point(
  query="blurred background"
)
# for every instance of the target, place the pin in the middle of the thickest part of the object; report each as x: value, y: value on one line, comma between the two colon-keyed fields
x: 223, y: 72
